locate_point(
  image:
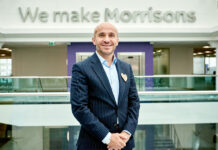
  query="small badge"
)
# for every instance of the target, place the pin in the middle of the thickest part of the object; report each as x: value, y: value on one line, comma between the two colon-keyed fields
x: 124, y: 76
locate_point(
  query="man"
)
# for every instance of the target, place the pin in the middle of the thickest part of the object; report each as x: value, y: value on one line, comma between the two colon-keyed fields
x: 104, y: 98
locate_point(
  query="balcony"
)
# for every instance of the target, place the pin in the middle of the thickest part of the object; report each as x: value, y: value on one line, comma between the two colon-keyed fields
x: 177, y: 112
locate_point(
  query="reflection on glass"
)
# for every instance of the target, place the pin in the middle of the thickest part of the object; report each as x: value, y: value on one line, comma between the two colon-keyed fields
x: 147, y: 137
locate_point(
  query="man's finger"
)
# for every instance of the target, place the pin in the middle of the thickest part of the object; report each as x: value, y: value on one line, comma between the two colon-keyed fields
x: 122, y: 136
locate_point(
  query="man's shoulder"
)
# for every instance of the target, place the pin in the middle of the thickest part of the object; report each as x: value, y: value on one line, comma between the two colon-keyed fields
x: 123, y: 63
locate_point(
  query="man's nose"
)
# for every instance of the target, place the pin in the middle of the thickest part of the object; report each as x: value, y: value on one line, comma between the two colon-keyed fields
x: 106, y: 39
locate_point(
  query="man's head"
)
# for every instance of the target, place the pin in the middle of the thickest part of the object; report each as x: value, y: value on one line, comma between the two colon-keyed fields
x: 105, y: 39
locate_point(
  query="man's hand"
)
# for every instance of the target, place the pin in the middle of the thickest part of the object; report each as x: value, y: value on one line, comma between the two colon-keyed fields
x: 126, y: 135
x: 116, y: 141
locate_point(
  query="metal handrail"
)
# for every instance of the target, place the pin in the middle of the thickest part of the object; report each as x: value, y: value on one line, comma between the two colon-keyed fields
x: 158, y: 76
x: 140, y: 93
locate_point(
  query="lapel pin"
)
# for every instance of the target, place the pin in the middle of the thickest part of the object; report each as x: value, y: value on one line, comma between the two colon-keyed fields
x: 124, y: 76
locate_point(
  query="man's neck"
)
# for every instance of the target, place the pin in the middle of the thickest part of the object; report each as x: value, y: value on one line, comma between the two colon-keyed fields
x: 108, y: 58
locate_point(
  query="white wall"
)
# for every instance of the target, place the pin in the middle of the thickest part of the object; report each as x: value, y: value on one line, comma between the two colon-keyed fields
x: 39, y: 61
x: 206, y: 11
x: 181, y: 60
x: 13, y: 29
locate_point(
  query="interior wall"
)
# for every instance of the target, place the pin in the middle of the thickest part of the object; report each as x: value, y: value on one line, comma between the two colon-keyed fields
x: 181, y: 60
x: 39, y: 61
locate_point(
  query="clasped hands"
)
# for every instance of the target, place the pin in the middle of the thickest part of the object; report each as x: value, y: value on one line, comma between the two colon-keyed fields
x: 118, y: 140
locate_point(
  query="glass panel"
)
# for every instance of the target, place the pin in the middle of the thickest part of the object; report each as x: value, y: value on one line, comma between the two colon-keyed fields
x: 198, y: 64
x: 161, y: 61
x: 210, y: 65
x: 143, y: 83
x: 5, y: 67
x: 175, y: 83
x: 147, y: 137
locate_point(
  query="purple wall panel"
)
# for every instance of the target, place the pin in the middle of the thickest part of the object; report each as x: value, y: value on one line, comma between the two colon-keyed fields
x: 122, y: 47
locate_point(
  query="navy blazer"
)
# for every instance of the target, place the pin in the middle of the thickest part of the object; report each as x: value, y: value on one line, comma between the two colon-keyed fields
x: 93, y: 103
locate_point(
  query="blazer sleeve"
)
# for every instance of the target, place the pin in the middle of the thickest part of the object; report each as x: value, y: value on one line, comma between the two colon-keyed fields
x: 79, y: 103
x: 133, y: 106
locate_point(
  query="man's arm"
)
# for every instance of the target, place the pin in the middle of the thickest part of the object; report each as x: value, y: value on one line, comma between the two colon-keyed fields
x: 79, y: 104
x: 133, y: 106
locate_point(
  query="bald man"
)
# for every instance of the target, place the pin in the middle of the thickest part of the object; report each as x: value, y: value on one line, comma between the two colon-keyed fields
x: 104, y: 97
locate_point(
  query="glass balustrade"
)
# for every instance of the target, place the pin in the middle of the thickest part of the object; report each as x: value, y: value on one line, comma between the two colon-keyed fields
x: 177, y: 113
x: 143, y: 83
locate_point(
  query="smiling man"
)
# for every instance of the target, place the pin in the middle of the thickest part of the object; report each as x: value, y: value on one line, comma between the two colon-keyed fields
x: 104, y: 98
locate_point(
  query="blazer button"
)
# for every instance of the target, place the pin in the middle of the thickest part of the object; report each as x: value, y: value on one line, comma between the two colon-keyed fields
x: 116, y: 126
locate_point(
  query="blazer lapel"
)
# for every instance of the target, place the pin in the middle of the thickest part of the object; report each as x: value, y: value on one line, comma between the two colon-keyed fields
x: 99, y: 70
x: 121, y: 82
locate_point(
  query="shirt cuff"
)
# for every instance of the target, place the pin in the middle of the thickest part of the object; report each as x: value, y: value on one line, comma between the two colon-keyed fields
x: 127, y: 132
x: 107, y: 138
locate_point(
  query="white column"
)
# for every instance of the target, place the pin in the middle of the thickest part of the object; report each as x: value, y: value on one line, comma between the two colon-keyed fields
x: 214, y: 44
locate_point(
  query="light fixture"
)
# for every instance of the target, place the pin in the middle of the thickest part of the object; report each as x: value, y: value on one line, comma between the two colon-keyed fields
x: 3, y: 55
x: 194, y: 54
x: 159, y: 51
x: 206, y: 46
x: 207, y: 51
x: 199, y: 53
x: 6, y: 49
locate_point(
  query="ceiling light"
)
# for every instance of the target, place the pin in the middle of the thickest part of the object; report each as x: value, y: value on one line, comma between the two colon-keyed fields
x: 6, y: 49
x: 207, y: 51
x: 206, y: 46
x: 159, y: 51
x: 3, y: 55
x: 194, y: 54
x: 199, y: 53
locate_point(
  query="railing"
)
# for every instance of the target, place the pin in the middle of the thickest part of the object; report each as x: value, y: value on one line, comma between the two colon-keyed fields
x: 143, y: 83
x: 145, y: 97
x: 170, y: 102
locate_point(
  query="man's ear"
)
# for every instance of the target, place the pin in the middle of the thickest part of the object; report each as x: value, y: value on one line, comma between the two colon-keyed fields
x: 117, y: 41
x: 93, y: 40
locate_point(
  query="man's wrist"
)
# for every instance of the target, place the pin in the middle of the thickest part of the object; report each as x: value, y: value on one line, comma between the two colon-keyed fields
x: 107, y: 138
x: 127, y: 132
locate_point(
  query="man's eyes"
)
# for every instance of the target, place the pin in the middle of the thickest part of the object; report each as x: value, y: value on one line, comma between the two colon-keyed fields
x: 110, y: 35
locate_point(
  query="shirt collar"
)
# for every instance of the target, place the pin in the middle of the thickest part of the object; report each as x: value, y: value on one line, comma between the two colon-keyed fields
x: 104, y: 62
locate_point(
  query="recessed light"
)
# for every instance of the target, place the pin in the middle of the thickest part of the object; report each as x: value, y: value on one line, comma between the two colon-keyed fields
x: 199, y: 53
x: 3, y: 55
x: 6, y: 49
x: 207, y: 51
x: 206, y: 46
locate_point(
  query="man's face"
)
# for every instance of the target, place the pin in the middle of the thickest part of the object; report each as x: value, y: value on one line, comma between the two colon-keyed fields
x: 105, y: 39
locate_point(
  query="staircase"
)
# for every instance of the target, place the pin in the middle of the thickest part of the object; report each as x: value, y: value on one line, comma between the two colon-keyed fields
x: 163, y: 144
